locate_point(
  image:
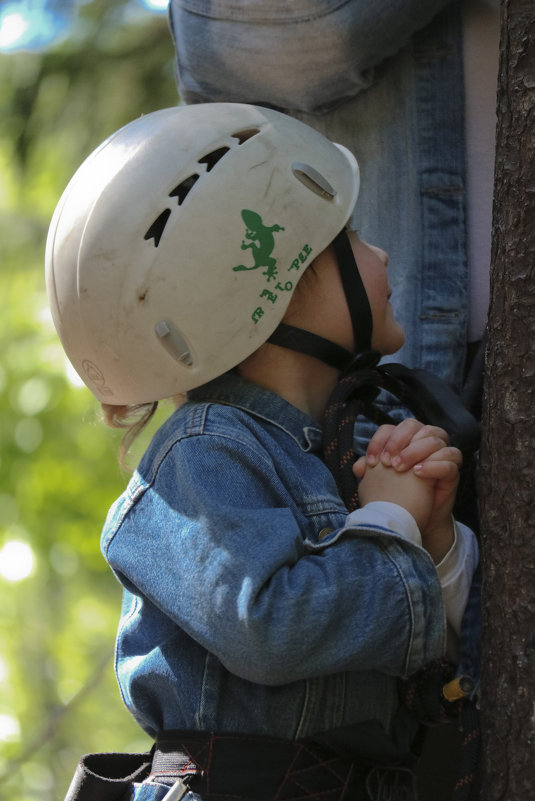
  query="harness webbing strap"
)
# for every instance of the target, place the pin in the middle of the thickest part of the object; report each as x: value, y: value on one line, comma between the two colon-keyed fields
x: 107, y: 777
x: 256, y: 768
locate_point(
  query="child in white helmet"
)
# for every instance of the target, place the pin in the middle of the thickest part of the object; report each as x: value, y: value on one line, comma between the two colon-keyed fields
x: 265, y: 630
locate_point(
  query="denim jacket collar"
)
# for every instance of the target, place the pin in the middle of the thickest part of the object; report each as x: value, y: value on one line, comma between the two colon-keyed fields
x: 233, y: 390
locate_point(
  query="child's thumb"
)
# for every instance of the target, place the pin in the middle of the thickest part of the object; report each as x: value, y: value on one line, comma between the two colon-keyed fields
x: 359, y: 468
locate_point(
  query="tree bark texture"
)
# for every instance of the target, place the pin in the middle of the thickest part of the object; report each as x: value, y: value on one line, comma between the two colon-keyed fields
x: 507, y: 492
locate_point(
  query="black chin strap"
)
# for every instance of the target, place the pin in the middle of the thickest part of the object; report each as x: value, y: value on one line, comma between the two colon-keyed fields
x: 288, y: 336
x: 356, y: 296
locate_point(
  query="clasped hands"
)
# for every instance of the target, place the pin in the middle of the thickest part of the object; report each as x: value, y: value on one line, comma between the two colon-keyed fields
x: 414, y: 466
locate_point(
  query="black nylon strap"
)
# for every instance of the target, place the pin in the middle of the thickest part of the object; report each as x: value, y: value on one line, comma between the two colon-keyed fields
x: 357, y: 298
x: 288, y: 336
x: 431, y: 400
x: 256, y: 768
x: 107, y: 777
x: 424, y: 395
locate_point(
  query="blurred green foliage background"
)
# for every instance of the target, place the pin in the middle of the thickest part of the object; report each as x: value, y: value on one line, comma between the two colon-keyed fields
x: 59, y: 603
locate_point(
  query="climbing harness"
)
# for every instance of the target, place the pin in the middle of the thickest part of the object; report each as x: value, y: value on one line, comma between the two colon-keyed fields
x: 212, y: 767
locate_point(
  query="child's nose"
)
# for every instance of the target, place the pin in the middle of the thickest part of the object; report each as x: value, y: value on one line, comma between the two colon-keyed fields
x: 382, y: 254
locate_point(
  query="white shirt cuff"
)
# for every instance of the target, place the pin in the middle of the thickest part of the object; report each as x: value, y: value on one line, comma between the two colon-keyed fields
x: 385, y: 515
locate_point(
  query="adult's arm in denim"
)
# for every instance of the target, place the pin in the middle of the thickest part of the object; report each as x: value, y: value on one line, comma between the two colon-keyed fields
x: 303, y: 56
x: 213, y: 543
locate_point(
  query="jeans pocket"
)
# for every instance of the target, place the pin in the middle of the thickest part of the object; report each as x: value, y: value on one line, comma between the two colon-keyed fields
x: 296, y: 55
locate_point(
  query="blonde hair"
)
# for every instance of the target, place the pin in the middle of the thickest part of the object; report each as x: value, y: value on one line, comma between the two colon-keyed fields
x: 133, y: 419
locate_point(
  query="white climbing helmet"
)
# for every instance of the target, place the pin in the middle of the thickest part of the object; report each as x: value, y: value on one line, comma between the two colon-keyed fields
x: 174, y: 250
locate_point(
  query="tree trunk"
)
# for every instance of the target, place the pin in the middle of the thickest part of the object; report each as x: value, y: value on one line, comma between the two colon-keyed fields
x: 507, y: 491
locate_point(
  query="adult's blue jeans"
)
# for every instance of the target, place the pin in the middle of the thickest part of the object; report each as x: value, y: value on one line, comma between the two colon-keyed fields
x: 385, y: 79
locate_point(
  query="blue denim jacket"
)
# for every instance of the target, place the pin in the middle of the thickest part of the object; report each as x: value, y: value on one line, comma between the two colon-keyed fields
x: 385, y: 79
x: 248, y: 604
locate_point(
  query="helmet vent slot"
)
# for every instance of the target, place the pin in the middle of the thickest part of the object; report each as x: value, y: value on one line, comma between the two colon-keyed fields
x: 313, y: 180
x: 243, y: 136
x: 181, y: 190
x: 213, y: 157
x: 157, y: 228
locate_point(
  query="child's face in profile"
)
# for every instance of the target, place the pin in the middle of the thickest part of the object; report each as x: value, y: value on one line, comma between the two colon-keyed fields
x: 388, y: 335
x: 319, y: 304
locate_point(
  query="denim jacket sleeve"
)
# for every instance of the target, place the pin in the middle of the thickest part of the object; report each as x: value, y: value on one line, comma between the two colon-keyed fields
x: 230, y: 557
x: 304, y: 55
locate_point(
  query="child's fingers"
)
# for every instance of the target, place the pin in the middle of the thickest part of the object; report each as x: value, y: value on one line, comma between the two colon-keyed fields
x: 444, y: 476
x: 448, y: 453
x: 390, y: 440
x: 433, y: 431
x: 377, y: 443
x: 389, y: 444
x: 399, y: 438
x: 444, y: 471
x: 404, y: 436
x: 443, y: 464
x: 418, y: 450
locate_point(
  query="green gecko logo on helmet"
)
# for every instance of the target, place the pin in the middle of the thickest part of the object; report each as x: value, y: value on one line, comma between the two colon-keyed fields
x: 260, y: 240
